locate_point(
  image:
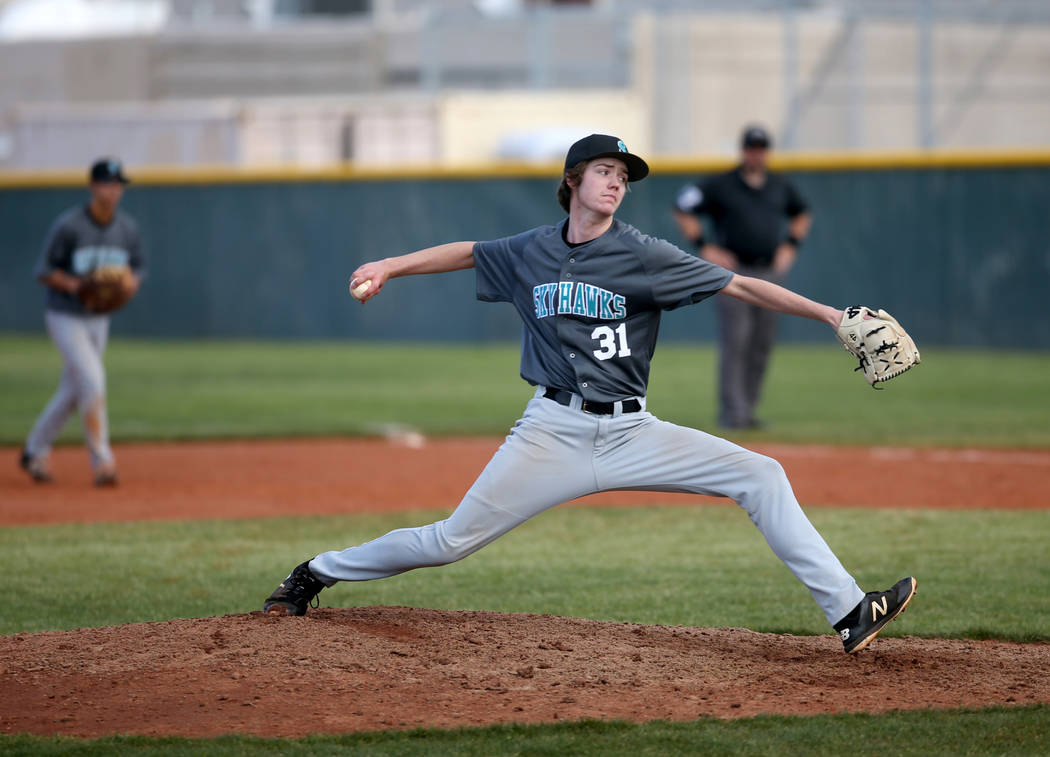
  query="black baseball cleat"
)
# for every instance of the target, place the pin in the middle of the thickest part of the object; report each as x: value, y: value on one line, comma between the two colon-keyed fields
x: 107, y: 476
x: 295, y: 593
x: 878, y: 608
x: 36, y: 468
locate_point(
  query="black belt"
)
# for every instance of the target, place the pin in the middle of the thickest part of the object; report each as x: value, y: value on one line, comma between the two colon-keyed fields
x: 589, y: 406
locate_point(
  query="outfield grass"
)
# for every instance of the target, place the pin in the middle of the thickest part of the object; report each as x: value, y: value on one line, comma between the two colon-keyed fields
x: 193, y: 390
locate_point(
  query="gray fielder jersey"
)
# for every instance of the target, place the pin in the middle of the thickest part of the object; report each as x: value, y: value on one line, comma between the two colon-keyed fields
x: 78, y: 244
x: 591, y: 312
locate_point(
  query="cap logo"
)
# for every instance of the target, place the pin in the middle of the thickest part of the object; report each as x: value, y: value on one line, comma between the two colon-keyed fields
x: 621, y: 146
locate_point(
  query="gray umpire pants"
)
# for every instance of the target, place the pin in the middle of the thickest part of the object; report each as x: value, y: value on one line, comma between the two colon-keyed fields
x: 555, y: 454
x: 745, y: 339
x: 81, y: 339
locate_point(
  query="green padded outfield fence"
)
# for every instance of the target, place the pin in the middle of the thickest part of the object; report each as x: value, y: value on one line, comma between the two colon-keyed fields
x: 956, y: 246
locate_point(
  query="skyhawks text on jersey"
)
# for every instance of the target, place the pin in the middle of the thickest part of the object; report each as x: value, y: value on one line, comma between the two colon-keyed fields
x: 577, y: 298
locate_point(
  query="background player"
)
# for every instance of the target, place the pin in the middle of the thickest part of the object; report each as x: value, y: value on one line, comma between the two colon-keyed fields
x: 590, y: 291
x: 750, y: 207
x: 82, y: 239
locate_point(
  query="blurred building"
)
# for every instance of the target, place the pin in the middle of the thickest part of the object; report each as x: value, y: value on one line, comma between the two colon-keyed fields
x: 382, y: 82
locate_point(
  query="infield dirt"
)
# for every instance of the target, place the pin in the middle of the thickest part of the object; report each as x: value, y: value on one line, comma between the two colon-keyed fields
x: 254, y: 479
x: 339, y: 670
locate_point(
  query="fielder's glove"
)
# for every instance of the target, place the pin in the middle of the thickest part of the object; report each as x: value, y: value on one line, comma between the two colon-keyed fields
x: 882, y: 346
x: 106, y: 288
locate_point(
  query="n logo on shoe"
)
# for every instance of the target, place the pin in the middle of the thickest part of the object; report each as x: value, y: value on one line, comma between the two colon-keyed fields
x: 875, y: 609
x: 844, y: 633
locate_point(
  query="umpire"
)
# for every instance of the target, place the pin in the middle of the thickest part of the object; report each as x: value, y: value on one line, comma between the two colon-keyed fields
x: 758, y: 223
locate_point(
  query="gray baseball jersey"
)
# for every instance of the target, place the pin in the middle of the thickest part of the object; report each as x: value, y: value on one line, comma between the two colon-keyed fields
x: 591, y: 312
x: 78, y: 244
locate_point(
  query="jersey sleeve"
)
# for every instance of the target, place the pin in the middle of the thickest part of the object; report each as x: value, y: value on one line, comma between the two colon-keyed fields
x: 680, y: 279
x: 57, y: 250
x: 494, y: 266
x: 795, y: 204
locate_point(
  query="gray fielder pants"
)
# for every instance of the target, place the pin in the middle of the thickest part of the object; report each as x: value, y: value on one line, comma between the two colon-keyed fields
x: 82, y: 388
x: 555, y: 454
x: 745, y: 339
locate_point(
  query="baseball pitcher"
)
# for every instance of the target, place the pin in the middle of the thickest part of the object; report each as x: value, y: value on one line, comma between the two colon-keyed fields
x: 590, y: 290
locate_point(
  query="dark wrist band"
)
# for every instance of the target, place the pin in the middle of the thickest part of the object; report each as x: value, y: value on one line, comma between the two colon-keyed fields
x: 793, y: 241
x: 700, y: 242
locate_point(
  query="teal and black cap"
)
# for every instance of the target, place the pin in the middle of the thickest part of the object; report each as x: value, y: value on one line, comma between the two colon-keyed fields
x: 108, y: 170
x: 605, y: 146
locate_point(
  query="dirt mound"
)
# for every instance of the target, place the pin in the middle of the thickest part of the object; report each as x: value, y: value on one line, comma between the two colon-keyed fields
x: 365, y: 668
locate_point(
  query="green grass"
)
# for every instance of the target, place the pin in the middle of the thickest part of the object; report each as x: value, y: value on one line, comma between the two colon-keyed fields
x: 1000, y: 731
x: 981, y: 574
x: 192, y: 390
x: 195, y: 390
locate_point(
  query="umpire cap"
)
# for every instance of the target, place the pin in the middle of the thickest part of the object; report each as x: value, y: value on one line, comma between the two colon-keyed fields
x: 108, y: 170
x: 605, y: 146
x: 755, y: 136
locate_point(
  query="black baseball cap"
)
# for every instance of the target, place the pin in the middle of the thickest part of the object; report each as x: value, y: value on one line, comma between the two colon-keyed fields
x: 107, y: 170
x: 755, y: 136
x: 605, y: 146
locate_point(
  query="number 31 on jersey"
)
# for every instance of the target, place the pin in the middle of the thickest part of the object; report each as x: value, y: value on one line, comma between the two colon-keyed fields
x: 611, y: 343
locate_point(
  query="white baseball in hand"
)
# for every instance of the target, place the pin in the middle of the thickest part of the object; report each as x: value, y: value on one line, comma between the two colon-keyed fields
x: 359, y: 291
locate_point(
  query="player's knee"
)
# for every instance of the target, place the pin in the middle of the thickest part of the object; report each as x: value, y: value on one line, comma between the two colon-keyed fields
x: 767, y: 471
x: 453, y: 552
x: 766, y: 483
x: 456, y: 544
x: 91, y: 390
x: 91, y: 402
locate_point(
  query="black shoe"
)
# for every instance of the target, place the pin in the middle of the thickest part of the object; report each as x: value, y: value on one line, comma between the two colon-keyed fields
x: 107, y: 476
x: 35, y: 467
x: 295, y: 593
x: 877, y: 609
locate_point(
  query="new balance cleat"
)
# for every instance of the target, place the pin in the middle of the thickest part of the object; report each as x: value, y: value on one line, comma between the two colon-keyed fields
x: 878, y: 608
x: 295, y: 593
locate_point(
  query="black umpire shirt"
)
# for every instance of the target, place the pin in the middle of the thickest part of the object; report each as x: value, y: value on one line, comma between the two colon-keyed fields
x: 748, y: 222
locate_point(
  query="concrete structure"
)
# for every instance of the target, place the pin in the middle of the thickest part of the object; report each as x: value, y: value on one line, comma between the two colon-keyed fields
x: 411, y: 84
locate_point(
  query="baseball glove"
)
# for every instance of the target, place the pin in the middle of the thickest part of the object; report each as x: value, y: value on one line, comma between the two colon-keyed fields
x: 882, y: 346
x: 106, y: 289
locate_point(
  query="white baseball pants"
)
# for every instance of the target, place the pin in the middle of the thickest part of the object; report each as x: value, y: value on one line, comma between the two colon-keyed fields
x: 556, y: 453
x: 82, y: 388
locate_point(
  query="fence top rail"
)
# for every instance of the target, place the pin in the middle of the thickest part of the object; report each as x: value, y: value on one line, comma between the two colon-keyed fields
x: 784, y: 161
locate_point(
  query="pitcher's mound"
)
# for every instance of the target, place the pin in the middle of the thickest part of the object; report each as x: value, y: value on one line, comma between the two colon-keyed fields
x: 367, y: 668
